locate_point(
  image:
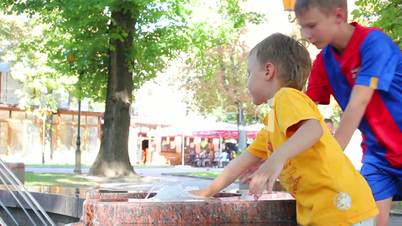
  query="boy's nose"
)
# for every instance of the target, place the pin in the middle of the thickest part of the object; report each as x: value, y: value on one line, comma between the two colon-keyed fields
x: 309, y: 37
x: 306, y: 34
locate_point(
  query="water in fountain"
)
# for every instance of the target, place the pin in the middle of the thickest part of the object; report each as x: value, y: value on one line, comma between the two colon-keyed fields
x: 171, y: 192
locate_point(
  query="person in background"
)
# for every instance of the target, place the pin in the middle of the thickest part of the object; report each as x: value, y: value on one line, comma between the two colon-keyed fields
x: 145, y: 154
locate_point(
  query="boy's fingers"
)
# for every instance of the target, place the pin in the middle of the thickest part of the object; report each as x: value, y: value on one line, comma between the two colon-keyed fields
x: 256, y: 197
x: 253, y: 188
x: 256, y: 187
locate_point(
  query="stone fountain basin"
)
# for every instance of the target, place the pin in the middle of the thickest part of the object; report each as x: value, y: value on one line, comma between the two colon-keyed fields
x: 103, y: 207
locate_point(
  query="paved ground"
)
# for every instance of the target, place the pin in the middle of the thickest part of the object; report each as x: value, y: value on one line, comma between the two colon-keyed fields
x: 165, y: 176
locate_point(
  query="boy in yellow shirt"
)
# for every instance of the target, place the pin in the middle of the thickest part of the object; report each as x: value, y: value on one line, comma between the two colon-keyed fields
x: 361, y: 67
x: 296, y: 145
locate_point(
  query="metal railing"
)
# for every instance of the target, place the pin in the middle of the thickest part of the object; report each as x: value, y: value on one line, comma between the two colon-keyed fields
x: 23, y: 198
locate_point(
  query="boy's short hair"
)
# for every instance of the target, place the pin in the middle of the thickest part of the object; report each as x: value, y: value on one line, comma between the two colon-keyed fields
x: 288, y: 55
x: 324, y: 5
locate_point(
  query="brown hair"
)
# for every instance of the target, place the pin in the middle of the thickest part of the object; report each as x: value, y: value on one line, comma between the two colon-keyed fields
x: 289, y: 55
x: 324, y: 5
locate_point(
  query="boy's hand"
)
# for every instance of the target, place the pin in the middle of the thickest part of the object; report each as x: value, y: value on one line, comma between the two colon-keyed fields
x: 266, y: 175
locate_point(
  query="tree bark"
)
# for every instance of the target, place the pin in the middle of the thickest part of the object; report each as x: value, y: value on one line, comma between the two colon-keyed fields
x: 113, y: 159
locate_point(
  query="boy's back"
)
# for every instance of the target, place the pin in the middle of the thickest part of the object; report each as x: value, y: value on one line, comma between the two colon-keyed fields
x: 327, y: 188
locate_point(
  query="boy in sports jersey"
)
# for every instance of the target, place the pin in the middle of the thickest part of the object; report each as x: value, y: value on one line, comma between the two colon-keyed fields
x: 295, y: 144
x: 362, y: 68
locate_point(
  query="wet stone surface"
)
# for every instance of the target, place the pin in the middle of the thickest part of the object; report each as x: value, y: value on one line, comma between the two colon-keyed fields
x: 131, y: 208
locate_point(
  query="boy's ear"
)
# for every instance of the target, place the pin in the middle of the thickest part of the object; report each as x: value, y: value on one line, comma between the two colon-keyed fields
x: 269, y: 70
x: 340, y: 15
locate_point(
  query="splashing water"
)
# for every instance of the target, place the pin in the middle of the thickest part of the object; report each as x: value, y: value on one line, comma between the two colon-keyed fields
x: 175, y: 192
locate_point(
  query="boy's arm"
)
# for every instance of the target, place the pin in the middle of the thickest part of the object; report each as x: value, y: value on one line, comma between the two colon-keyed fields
x: 309, y: 132
x: 353, y: 114
x: 231, y: 172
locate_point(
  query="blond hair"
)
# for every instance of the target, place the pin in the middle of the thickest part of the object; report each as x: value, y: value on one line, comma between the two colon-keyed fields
x: 324, y: 6
x: 288, y: 55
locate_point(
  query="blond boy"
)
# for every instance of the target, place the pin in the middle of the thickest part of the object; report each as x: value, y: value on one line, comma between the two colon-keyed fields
x: 295, y: 144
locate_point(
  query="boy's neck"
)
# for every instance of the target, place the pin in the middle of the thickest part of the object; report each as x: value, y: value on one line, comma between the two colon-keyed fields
x: 342, y: 38
x: 276, y: 86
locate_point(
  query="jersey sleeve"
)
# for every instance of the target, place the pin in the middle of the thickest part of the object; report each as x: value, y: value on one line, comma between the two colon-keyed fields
x: 379, y: 60
x: 259, y: 147
x: 318, y: 88
x: 293, y: 107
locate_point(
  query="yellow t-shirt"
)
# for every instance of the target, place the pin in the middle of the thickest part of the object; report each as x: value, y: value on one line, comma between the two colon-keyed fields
x: 327, y: 188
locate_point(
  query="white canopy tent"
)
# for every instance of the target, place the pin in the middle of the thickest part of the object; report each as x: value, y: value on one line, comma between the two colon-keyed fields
x: 204, y: 128
x: 4, y: 67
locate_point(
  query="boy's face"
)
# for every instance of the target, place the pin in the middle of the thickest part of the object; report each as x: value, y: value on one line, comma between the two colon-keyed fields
x: 257, y: 83
x: 317, y: 27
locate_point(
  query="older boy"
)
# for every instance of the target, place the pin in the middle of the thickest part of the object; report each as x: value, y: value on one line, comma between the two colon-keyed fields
x: 362, y: 68
x: 296, y: 144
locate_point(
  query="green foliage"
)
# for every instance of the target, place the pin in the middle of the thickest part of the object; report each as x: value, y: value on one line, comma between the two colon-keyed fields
x: 88, y: 39
x: 336, y: 116
x: 21, y: 45
x: 82, y: 28
x: 208, y: 175
x: 223, y: 86
x: 383, y: 14
x: 163, y: 30
x: 224, y: 29
x: 10, y: 33
x: 216, y: 73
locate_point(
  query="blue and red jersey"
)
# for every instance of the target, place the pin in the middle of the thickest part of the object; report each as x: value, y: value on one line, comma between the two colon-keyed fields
x: 371, y: 59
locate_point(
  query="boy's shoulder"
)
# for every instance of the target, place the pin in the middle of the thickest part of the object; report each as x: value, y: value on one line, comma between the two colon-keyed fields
x: 284, y: 92
x: 363, y: 30
x: 363, y: 37
x: 363, y: 34
x: 288, y: 91
x: 290, y: 95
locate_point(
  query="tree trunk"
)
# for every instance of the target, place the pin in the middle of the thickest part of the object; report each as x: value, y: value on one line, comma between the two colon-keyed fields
x: 113, y: 159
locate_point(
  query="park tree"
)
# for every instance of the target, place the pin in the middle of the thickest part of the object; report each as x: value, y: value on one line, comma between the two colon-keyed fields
x: 112, y: 46
x: 383, y: 14
x: 40, y: 84
x: 221, y: 91
x: 10, y: 33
